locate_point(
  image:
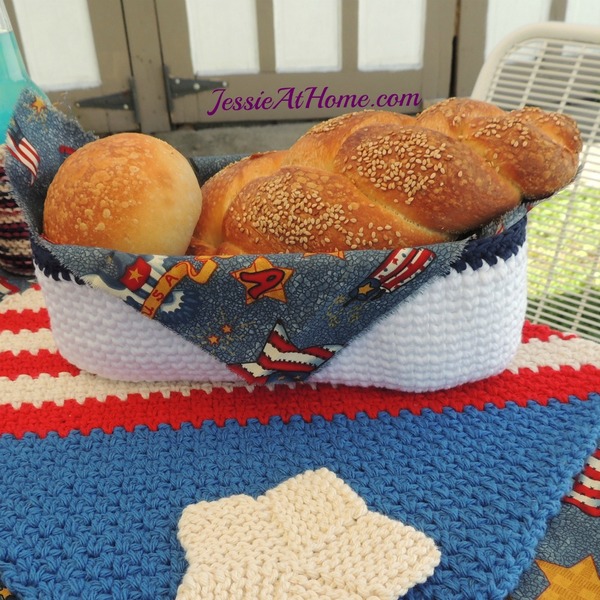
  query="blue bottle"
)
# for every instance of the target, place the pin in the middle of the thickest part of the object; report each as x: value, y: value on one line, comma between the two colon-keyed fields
x: 13, y: 74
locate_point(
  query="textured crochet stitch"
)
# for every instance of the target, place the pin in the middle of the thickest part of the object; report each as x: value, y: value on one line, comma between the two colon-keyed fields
x: 97, y: 474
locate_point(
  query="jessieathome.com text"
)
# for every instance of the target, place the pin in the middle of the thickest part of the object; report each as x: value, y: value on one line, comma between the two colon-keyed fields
x: 308, y: 97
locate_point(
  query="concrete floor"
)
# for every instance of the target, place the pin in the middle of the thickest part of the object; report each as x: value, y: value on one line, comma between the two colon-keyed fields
x: 238, y: 139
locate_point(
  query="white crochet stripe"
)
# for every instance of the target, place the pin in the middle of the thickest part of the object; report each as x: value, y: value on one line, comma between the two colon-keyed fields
x: 556, y: 353
x: 26, y: 390
x: 14, y: 216
x: 29, y: 341
x: 30, y: 299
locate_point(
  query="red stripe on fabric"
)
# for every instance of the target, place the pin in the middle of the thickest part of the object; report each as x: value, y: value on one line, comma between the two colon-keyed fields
x: 28, y: 319
x: 247, y: 375
x: 34, y: 364
x: 263, y: 403
x: 283, y: 365
x: 584, y: 490
x: 413, y: 266
x: 319, y: 352
x: 280, y: 343
x: 590, y: 472
x: 593, y: 511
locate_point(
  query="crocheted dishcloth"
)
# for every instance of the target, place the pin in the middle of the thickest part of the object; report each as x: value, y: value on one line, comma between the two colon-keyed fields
x: 309, y: 537
x: 97, y: 474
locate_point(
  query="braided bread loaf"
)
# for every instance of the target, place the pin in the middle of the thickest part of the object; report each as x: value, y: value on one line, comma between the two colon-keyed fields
x: 378, y: 179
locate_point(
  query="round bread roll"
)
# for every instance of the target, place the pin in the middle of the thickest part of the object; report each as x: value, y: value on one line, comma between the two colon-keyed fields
x: 130, y: 192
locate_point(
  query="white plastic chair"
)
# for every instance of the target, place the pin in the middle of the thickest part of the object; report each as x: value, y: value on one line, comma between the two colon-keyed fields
x: 556, y: 66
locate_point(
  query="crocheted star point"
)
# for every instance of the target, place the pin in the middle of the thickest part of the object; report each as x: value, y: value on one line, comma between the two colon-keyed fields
x: 311, y: 536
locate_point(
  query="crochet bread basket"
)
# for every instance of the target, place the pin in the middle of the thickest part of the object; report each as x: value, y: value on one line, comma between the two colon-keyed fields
x: 415, y: 319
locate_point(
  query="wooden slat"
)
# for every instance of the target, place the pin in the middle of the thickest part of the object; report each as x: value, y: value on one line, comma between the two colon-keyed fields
x: 147, y: 64
x: 266, y: 36
x: 471, y: 44
x: 349, y: 35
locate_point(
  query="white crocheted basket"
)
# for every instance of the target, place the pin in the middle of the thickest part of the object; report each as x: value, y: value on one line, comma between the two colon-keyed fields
x: 458, y: 328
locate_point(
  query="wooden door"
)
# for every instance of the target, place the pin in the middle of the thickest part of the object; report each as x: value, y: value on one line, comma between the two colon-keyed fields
x: 247, y: 69
x: 78, y: 52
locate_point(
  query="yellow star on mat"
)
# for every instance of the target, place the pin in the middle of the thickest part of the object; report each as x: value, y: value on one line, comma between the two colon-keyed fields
x: 262, y: 279
x: 578, y: 582
x: 38, y: 105
x: 213, y: 340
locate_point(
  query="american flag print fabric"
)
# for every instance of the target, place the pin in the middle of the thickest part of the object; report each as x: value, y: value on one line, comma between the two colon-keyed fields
x: 22, y: 149
x: 586, y: 489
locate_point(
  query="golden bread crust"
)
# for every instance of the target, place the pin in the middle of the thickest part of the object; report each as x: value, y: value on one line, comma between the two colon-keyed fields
x: 220, y: 191
x: 401, y: 181
x: 425, y: 176
x: 303, y: 209
x: 320, y: 144
x: 537, y: 151
x: 129, y: 192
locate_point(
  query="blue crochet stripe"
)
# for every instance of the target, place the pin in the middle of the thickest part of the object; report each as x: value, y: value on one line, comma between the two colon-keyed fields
x: 491, y: 249
x: 96, y: 516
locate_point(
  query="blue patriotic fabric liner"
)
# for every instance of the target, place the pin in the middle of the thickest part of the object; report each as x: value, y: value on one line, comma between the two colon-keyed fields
x: 313, y: 304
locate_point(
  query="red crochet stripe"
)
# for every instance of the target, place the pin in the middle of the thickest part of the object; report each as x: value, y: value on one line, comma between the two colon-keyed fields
x: 543, y: 333
x: 262, y: 404
x: 28, y: 319
x: 33, y: 365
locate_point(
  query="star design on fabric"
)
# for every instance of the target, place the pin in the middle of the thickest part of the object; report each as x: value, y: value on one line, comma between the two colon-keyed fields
x: 136, y: 274
x: 578, y: 582
x: 5, y: 593
x: 282, y: 360
x: 366, y: 288
x: 311, y: 536
x: 38, y: 105
x: 262, y: 279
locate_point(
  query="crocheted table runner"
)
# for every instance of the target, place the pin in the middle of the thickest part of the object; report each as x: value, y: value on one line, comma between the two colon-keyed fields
x: 156, y: 490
